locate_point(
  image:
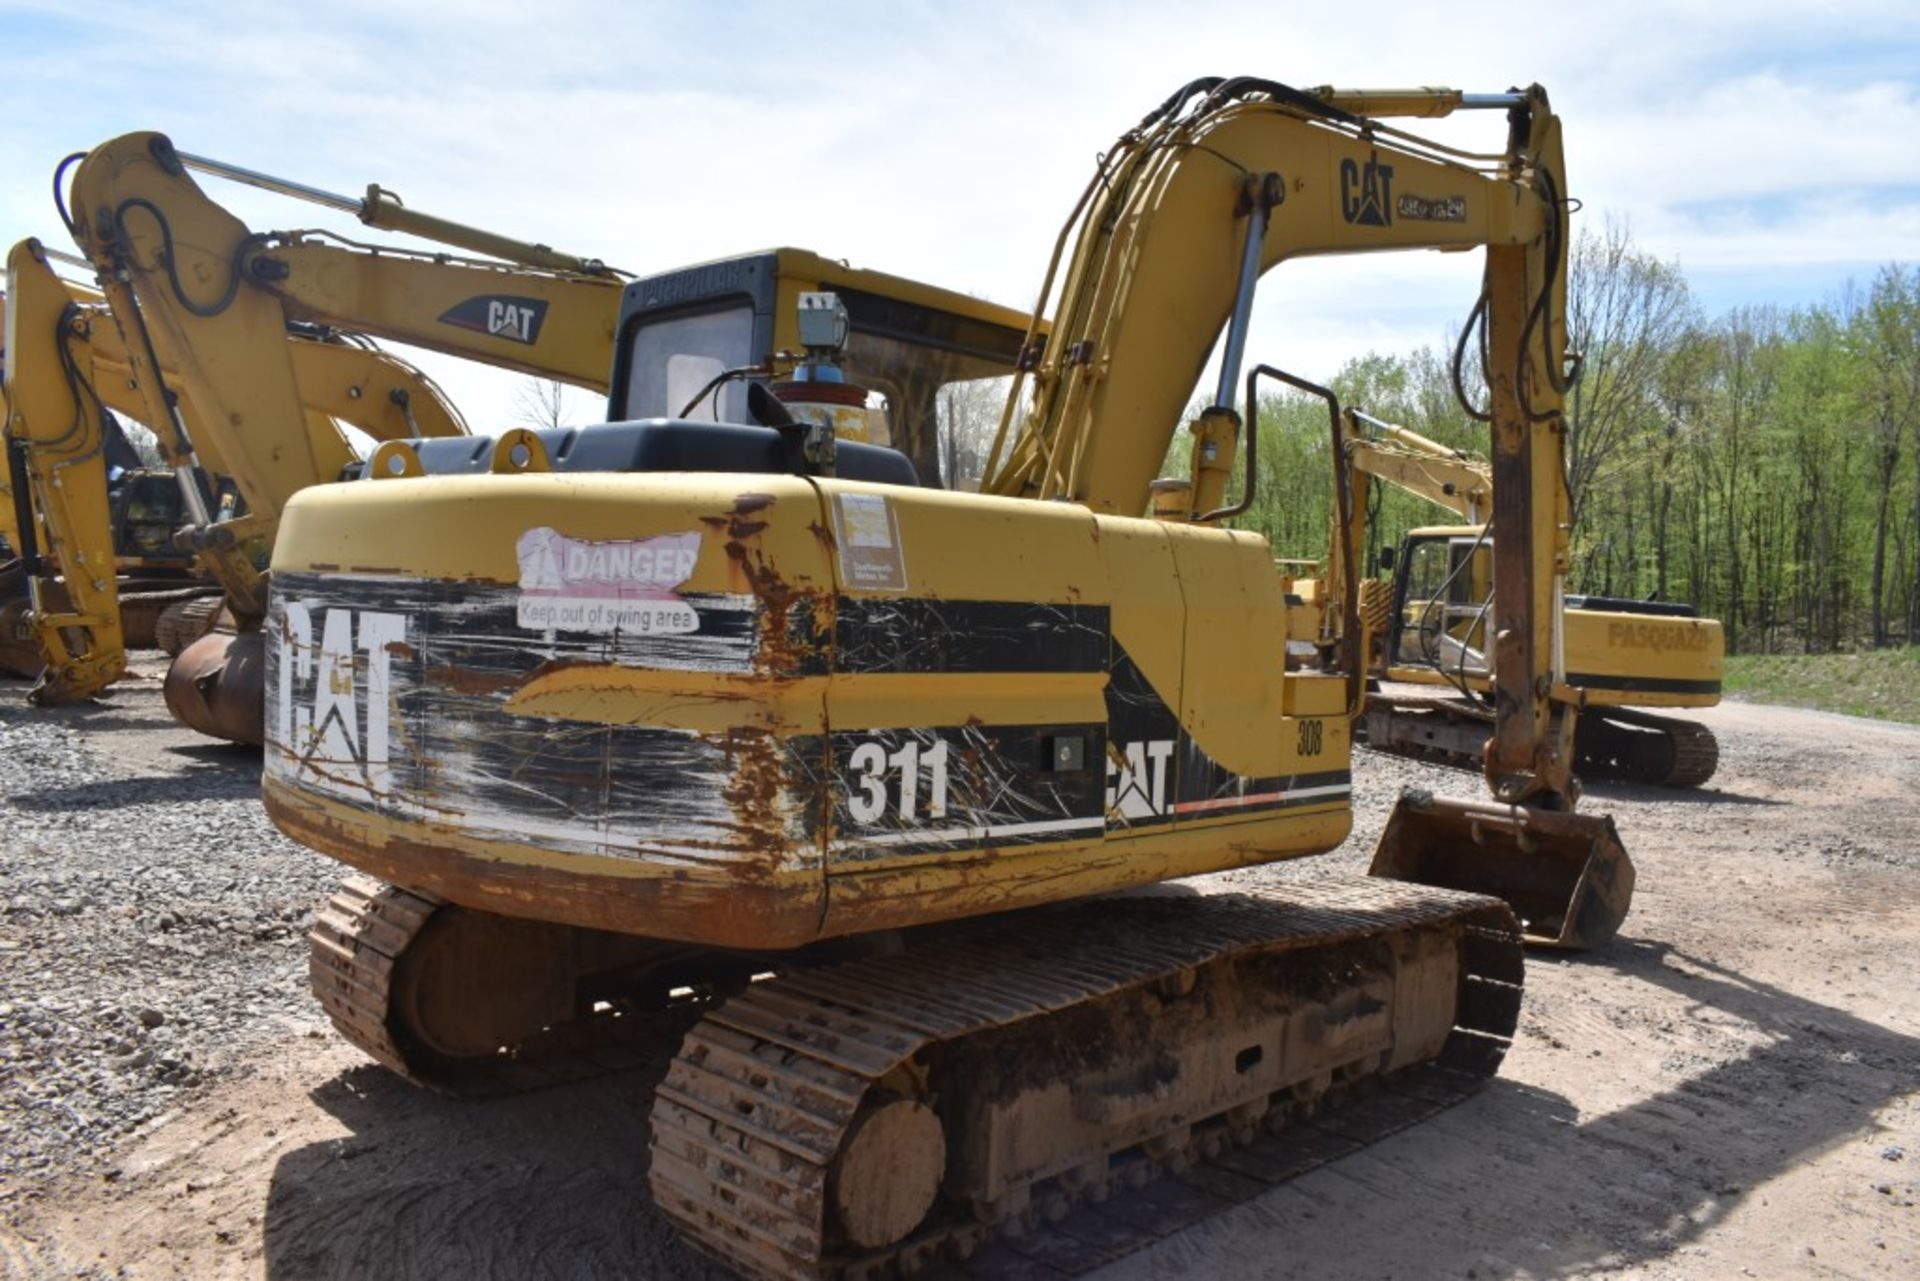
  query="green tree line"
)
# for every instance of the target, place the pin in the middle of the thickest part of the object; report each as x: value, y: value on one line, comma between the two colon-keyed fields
x: 1763, y: 465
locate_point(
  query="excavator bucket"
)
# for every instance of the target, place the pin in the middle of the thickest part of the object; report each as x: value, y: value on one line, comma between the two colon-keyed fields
x: 218, y: 686
x: 1566, y: 876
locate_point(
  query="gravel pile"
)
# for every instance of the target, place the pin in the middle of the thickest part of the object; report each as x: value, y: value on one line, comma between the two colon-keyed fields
x: 152, y: 930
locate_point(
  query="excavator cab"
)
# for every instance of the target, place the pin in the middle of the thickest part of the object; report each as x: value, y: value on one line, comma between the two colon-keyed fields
x: 931, y: 370
x: 1441, y: 592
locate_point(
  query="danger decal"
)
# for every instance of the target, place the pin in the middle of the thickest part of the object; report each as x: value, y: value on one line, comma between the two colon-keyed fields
x: 625, y: 585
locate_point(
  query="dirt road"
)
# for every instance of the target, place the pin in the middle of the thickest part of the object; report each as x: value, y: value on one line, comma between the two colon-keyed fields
x: 1732, y: 1090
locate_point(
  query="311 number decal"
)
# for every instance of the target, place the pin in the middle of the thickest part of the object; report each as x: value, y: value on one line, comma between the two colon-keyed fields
x: 878, y: 779
x: 1312, y: 738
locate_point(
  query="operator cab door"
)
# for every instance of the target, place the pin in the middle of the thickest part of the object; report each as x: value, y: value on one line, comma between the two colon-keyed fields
x: 1444, y: 590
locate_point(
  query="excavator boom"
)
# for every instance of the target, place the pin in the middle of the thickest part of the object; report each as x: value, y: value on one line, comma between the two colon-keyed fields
x: 202, y: 304
x: 73, y: 368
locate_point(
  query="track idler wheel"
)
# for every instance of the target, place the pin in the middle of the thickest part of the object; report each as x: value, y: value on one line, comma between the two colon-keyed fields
x: 887, y: 1173
x: 473, y: 982
x: 218, y: 686
x: 1566, y: 876
x: 185, y: 621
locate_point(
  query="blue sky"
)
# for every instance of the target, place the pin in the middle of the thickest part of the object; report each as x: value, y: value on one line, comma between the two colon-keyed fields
x: 1773, y: 149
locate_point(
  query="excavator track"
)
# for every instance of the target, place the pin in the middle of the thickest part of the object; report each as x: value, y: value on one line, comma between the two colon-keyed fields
x: 352, y: 947
x: 1614, y: 743
x: 1640, y: 747
x: 184, y: 621
x: 1696, y: 755
x: 360, y: 948
x: 1448, y: 731
x: 1072, y: 1054
x: 144, y: 603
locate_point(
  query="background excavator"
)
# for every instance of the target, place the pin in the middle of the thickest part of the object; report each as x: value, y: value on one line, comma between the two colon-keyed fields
x: 708, y: 722
x: 70, y: 369
x: 1617, y: 657
x: 141, y: 506
x: 203, y: 305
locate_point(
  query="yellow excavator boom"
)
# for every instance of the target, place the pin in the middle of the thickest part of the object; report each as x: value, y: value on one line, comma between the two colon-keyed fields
x: 197, y: 293
x: 193, y: 287
x: 72, y: 367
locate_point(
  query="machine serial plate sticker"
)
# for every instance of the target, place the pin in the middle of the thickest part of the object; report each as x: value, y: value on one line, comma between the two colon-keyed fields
x: 1432, y: 208
x: 621, y: 585
x: 869, y: 535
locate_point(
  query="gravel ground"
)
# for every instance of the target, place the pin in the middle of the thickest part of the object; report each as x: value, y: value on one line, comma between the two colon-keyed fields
x: 1732, y: 1089
x: 153, y: 931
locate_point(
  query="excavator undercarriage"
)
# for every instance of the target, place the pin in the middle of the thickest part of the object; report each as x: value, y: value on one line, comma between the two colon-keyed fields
x: 1617, y: 744
x: 958, y: 1085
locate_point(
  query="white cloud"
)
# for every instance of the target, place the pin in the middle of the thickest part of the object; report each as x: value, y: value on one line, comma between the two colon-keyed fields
x: 947, y: 142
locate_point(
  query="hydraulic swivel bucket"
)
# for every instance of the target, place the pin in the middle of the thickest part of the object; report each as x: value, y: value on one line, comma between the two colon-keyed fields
x: 1566, y: 875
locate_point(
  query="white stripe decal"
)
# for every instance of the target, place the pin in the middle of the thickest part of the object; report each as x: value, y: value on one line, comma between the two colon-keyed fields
x: 1262, y: 798
x: 976, y: 833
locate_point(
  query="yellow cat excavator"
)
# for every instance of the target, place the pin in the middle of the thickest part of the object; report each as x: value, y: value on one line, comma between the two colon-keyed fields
x: 69, y: 368
x: 709, y: 723
x: 1618, y: 657
x: 205, y: 300
x: 138, y: 509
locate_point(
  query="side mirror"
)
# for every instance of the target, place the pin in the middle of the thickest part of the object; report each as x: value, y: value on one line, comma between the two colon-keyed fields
x: 1386, y: 559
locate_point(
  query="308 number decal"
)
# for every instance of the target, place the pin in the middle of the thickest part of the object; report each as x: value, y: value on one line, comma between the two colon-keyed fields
x: 879, y: 780
x: 1312, y: 737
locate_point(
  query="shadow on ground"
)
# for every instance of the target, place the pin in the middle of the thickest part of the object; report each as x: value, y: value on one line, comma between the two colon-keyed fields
x: 220, y: 782
x: 1647, y: 793
x: 1673, y: 1165
x: 163, y: 763
x: 552, y: 1184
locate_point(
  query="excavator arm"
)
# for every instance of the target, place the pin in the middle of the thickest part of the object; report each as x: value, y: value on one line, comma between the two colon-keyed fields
x: 1189, y: 208
x: 1425, y: 468
x: 1228, y: 179
x: 203, y: 304
x: 71, y: 368
x: 194, y: 289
